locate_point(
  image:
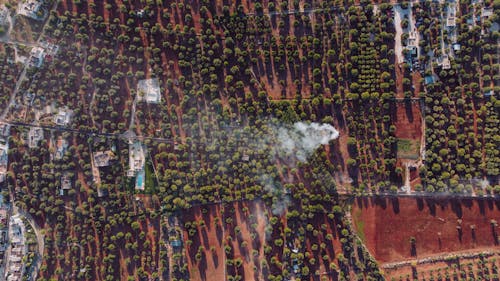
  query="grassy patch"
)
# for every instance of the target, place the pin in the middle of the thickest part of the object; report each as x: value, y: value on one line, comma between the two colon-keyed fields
x: 130, y: 185
x: 150, y: 183
x: 408, y: 149
x: 360, y: 225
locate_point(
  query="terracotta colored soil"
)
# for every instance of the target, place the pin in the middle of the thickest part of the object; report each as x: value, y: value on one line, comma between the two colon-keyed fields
x: 387, y: 225
x: 399, y: 80
x: 408, y: 120
x: 251, y: 263
x: 215, y: 234
x: 211, y: 266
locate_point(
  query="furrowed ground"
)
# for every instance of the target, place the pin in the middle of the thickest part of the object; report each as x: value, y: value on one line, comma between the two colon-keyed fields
x: 227, y: 72
x: 437, y: 226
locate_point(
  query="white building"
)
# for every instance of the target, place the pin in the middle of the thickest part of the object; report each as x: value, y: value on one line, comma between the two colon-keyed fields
x: 18, y: 248
x: 4, y: 14
x: 66, y: 182
x: 4, y: 130
x: 35, y: 135
x: 136, y: 158
x: 103, y: 158
x: 63, y: 117
x: 61, y: 147
x: 50, y: 48
x: 149, y: 90
x: 486, y: 12
x: 37, y: 55
x: 4, y: 161
x: 31, y: 9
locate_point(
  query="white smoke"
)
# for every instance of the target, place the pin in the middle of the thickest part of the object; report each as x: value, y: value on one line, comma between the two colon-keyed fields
x: 478, y: 182
x: 285, y: 142
x: 281, y: 201
x: 281, y: 205
x: 302, y: 139
x: 292, y: 143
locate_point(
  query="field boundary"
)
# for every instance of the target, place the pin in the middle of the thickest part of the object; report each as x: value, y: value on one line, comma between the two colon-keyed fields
x: 469, y: 254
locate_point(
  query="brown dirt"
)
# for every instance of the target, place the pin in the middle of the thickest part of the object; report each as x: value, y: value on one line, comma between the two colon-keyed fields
x: 408, y: 120
x: 414, y: 178
x: 416, y: 78
x: 389, y: 223
x: 341, y: 149
x: 245, y: 252
x: 326, y: 226
x: 214, y: 235
x: 211, y: 267
x: 399, y: 80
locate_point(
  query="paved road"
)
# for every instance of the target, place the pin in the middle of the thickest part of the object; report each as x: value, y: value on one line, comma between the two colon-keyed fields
x: 465, y: 254
x: 398, y: 48
x: 17, y: 42
x: 125, y: 135
x: 19, y: 81
x: 11, y: 21
x: 422, y: 194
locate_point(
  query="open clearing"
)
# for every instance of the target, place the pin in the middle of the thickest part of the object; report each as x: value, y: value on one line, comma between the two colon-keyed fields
x: 408, y: 120
x: 408, y: 149
x: 436, y: 226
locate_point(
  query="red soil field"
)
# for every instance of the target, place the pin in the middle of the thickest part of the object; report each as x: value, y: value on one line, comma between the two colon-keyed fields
x: 438, y: 225
x: 414, y: 177
x: 333, y: 246
x: 218, y: 229
x: 241, y: 226
x: 408, y: 120
x: 210, y: 234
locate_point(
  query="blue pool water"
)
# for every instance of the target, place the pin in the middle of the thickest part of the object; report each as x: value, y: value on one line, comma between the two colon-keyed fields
x: 139, y: 183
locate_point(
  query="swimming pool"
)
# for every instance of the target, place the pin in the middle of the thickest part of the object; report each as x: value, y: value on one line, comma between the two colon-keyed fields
x: 139, y: 181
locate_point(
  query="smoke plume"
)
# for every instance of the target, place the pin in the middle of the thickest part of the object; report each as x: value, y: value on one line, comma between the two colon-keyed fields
x: 287, y: 143
x: 302, y: 139
x: 292, y: 143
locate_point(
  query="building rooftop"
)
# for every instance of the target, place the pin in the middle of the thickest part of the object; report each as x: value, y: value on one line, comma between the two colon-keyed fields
x: 149, y: 90
x: 4, y: 130
x: 50, y: 49
x: 489, y: 93
x: 429, y: 80
x: 61, y: 147
x: 451, y: 21
x: 486, y: 12
x: 35, y: 135
x: 136, y: 158
x: 245, y: 157
x: 444, y: 62
x: 31, y: 9
x: 63, y: 117
x: 102, y: 158
x: 37, y: 55
x: 14, y: 277
x: 66, y: 181
x: 4, y: 13
x: 495, y: 27
x: 3, y: 154
x: 176, y: 243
